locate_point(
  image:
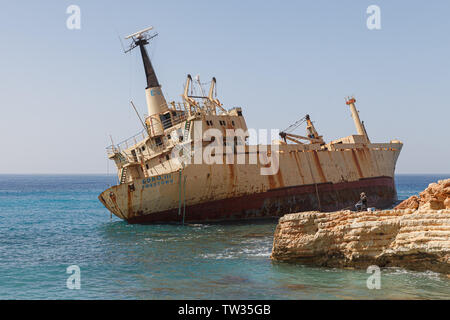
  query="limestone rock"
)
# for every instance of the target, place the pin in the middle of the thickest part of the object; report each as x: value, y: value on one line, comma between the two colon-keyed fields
x: 447, y: 203
x: 417, y: 240
x: 410, y: 203
x: 435, y: 197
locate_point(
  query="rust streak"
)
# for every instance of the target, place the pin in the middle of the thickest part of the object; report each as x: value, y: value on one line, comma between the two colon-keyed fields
x: 319, y: 166
x: 141, y: 198
x: 117, y: 210
x: 280, y: 178
x: 231, y: 172
x: 297, y: 161
x: 232, y: 177
x: 355, y: 159
x: 130, y: 203
x: 272, y: 182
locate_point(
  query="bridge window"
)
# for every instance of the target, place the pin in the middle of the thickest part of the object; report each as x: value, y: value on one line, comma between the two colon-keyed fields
x: 165, y: 120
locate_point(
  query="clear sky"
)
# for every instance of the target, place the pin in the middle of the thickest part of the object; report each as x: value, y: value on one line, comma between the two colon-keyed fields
x: 62, y: 92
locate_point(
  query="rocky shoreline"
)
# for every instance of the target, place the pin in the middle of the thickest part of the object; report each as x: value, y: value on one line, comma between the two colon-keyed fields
x: 415, y: 235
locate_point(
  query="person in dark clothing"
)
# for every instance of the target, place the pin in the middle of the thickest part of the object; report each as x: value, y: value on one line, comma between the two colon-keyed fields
x: 362, y: 203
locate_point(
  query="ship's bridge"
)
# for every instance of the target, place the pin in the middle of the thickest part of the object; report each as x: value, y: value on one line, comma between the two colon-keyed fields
x: 150, y: 150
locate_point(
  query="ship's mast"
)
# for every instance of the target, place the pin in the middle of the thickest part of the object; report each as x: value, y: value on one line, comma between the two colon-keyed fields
x: 156, y: 103
x: 355, y: 115
x: 152, y: 80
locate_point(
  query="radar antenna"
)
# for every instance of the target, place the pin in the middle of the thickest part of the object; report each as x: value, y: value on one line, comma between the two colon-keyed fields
x: 140, y: 36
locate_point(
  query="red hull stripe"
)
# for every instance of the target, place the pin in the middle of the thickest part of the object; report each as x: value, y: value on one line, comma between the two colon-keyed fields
x: 277, y: 202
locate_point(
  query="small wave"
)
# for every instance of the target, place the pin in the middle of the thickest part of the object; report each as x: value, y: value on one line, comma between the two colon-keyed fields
x: 263, y: 251
x: 418, y: 274
x: 198, y: 225
x: 257, y: 252
x: 218, y: 256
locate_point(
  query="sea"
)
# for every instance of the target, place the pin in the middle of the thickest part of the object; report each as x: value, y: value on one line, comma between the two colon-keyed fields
x: 57, y: 241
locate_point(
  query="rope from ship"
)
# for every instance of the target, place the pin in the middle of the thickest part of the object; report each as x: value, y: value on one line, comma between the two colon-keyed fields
x: 184, y: 195
x: 315, y: 185
x: 184, y: 198
x: 295, y: 125
x: 179, y: 193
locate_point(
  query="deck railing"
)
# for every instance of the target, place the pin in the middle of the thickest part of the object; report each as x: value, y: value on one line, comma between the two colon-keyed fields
x: 153, y: 125
x: 125, y: 144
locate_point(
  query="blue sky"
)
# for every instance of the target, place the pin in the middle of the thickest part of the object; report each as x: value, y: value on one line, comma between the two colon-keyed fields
x: 64, y: 91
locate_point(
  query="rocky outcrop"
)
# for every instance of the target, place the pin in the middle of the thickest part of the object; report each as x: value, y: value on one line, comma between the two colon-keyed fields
x: 435, y: 197
x: 413, y: 239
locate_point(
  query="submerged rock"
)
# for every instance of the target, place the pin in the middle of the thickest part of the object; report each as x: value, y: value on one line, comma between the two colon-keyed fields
x: 412, y: 239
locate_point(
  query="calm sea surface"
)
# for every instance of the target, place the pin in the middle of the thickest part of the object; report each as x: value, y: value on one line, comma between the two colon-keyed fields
x: 48, y: 223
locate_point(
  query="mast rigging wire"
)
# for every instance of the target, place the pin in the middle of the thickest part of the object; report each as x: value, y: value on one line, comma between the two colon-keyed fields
x: 295, y: 125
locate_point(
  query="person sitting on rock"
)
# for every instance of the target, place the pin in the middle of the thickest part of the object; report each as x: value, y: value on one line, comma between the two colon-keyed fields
x: 362, y: 203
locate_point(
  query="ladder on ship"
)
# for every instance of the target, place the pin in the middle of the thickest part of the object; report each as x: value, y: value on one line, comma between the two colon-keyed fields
x: 123, y: 175
x: 186, y: 145
x: 187, y: 127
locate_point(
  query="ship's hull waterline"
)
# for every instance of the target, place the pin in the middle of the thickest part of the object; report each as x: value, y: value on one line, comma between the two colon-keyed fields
x: 310, y: 180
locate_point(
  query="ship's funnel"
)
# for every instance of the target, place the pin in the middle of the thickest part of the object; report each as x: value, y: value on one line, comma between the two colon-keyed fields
x: 156, y: 103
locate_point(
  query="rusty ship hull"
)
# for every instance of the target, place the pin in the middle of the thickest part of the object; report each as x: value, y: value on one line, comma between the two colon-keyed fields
x: 158, y: 182
x: 324, y: 180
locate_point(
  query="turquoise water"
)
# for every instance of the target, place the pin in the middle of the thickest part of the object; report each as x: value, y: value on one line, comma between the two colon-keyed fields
x: 48, y: 223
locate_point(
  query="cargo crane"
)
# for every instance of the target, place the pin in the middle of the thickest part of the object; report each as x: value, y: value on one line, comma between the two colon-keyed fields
x: 312, y: 135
